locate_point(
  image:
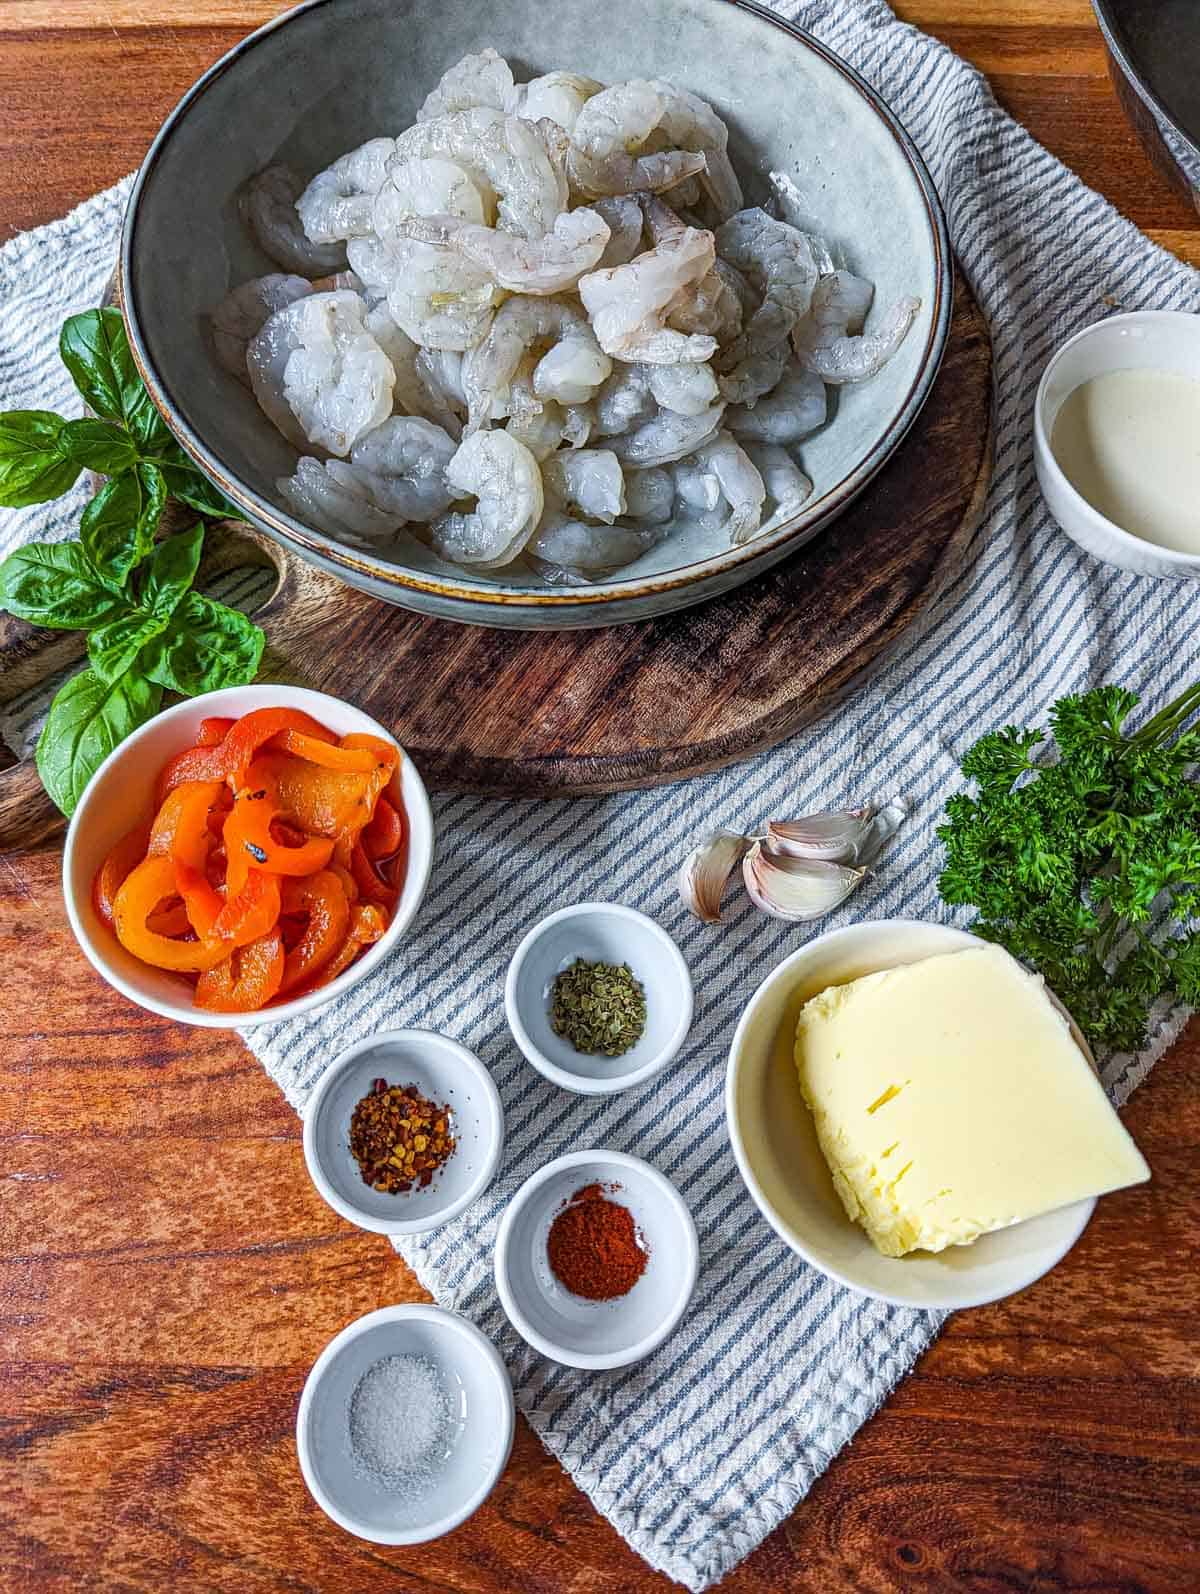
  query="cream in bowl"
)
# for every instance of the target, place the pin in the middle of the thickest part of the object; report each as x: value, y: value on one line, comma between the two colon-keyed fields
x: 1117, y: 441
x: 917, y: 1116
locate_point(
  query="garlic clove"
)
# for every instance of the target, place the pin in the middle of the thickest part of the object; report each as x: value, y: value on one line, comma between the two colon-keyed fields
x: 796, y: 889
x: 853, y: 835
x: 705, y: 873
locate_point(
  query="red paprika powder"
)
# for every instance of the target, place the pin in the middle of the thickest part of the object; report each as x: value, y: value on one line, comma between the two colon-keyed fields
x: 594, y: 1247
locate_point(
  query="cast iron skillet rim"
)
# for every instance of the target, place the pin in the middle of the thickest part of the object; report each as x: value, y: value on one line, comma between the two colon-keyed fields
x: 1113, y: 32
x: 292, y: 531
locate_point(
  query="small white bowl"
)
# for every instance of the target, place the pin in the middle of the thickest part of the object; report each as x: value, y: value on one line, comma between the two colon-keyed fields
x: 596, y: 1334
x: 599, y: 932
x: 775, y: 1142
x: 482, y: 1411
x: 445, y: 1073
x: 121, y: 794
x: 1162, y: 340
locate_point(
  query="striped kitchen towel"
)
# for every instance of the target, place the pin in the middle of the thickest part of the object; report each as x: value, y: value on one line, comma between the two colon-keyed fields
x: 699, y: 1451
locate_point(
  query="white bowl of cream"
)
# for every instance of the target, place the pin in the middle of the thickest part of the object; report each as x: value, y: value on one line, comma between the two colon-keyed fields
x: 1117, y: 441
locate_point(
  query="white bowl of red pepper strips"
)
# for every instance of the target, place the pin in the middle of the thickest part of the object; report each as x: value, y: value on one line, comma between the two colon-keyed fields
x: 596, y: 1259
x: 403, y: 1131
x: 598, y: 998
x: 148, y: 866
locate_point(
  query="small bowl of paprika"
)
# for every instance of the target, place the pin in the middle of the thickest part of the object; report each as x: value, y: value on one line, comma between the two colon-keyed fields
x: 596, y: 1259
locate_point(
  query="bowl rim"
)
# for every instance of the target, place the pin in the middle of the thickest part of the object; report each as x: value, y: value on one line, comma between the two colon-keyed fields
x: 417, y: 808
x: 479, y: 1343
x: 898, y: 1297
x: 595, y: 1361
x: 363, y: 1219
x: 613, y: 1084
x: 491, y: 597
x: 1125, y: 542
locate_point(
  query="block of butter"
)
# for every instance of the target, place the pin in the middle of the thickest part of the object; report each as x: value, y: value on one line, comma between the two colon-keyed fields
x: 950, y: 1100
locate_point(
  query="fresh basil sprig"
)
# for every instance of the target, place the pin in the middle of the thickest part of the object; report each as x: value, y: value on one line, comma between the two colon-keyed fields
x: 147, y: 630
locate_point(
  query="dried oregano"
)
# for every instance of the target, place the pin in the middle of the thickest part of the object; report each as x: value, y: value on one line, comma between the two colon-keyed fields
x: 598, y: 1007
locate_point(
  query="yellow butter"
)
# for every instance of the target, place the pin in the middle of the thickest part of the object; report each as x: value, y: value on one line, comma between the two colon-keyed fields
x: 950, y: 1100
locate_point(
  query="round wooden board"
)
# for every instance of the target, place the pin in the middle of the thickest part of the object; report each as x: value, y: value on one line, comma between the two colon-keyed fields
x: 551, y: 714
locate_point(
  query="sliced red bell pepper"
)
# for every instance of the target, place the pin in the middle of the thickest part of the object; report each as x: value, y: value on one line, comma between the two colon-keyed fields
x: 151, y: 883
x: 214, y: 730
x: 246, y: 980
x: 357, y: 760
x: 321, y: 898
x: 321, y: 802
x: 117, y: 866
x: 385, y: 831
x: 251, y: 911
x: 371, y: 887
x: 181, y: 832
x: 366, y: 925
x: 231, y: 755
x: 256, y: 835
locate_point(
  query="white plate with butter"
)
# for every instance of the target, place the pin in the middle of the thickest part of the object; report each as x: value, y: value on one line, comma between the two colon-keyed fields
x: 929, y: 1151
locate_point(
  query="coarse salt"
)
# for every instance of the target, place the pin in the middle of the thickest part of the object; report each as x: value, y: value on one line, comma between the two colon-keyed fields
x: 400, y: 1422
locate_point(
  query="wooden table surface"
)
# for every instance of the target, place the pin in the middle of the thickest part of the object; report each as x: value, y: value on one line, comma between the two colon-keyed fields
x: 167, y: 1273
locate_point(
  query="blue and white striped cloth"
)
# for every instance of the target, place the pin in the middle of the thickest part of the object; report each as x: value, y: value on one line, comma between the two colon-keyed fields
x: 698, y: 1452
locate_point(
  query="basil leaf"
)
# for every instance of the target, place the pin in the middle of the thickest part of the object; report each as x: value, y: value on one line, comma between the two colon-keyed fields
x: 98, y: 445
x: 112, y: 648
x: 171, y: 569
x: 87, y: 719
x: 52, y: 584
x: 117, y: 527
x: 96, y: 351
x: 32, y: 470
x: 185, y: 482
x: 207, y: 646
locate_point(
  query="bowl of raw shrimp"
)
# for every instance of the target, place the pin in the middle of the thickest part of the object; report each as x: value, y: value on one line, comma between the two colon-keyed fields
x: 536, y: 327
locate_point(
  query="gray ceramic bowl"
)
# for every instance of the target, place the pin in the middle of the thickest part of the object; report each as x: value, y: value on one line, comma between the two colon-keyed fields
x: 333, y: 73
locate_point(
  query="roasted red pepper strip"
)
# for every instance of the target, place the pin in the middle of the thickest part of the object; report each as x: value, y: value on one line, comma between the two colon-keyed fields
x: 370, y: 886
x: 321, y: 897
x: 181, y: 832
x: 153, y: 882
x: 384, y: 834
x: 356, y: 760
x: 250, y: 912
x: 366, y: 925
x: 214, y: 730
x: 247, y: 979
x: 322, y: 802
x: 256, y: 838
x: 120, y: 863
x: 230, y: 756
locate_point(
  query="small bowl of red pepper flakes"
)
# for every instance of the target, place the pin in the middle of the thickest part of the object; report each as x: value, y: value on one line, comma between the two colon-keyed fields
x: 247, y: 855
x: 596, y: 1259
x: 403, y: 1131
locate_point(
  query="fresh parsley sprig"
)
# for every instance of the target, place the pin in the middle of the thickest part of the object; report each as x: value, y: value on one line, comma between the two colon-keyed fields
x: 148, y: 631
x: 1087, y: 865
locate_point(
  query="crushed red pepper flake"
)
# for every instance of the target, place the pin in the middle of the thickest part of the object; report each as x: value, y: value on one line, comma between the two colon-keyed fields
x: 399, y: 1138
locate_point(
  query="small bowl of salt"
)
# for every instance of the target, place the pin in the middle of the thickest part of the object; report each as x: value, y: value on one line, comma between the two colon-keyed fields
x: 405, y: 1424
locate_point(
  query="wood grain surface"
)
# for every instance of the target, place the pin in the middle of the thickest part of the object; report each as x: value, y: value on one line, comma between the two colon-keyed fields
x: 167, y: 1274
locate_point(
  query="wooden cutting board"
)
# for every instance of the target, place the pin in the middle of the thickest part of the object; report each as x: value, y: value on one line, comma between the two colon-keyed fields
x: 566, y: 713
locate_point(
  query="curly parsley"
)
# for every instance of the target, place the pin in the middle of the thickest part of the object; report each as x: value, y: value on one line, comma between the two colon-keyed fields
x: 1087, y: 865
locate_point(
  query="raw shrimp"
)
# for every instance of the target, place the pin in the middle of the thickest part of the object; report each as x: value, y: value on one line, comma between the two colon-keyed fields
x: 337, y: 204
x: 649, y: 496
x: 579, y: 421
x: 548, y: 264
x: 402, y: 464
x: 787, y: 485
x: 506, y: 152
x: 484, y: 79
x: 796, y: 408
x: 778, y: 260
x: 824, y: 342
x: 610, y: 126
x: 501, y: 473
x: 756, y: 375
x: 707, y: 305
x: 441, y: 372
x: 696, y: 485
x: 624, y: 219
x: 416, y: 187
x: 741, y: 485
x: 268, y: 207
x: 412, y: 394
x: 688, y: 122
x: 667, y: 437
x: 558, y: 96
x: 242, y: 314
x: 629, y: 305
x: 623, y: 400
x: 437, y: 297
x: 321, y: 499
x: 571, y: 371
x: 318, y: 374
x: 541, y: 432
x: 688, y: 389
x: 575, y: 545
x: 589, y: 480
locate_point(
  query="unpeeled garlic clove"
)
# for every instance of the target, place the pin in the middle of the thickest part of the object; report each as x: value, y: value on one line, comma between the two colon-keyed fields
x: 705, y: 873
x: 852, y: 835
x: 796, y: 888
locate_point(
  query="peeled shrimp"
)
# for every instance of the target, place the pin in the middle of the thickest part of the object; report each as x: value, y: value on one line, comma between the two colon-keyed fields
x: 402, y: 464
x: 649, y: 496
x: 416, y: 187
x: 437, y: 297
x: 501, y: 473
x: 541, y: 432
x: 484, y: 79
x: 778, y: 260
x: 334, y: 500
x: 688, y: 389
x: 548, y: 264
x: 787, y: 485
x: 318, y: 374
x: 589, y: 480
x: 741, y: 486
x: 707, y: 305
x: 629, y: 305
x: 579, y: 422
x: 794, y: 409
x: 268, y: 207
x: 571, y: 370
x: 242, y: 314
x: 412, y: 394
x: 610, y: 126
x: 696, y: 485
x: 623, y: 216
x: 337, y: 204
x: 558, y: 96
x: 506, y: 152
x: 689, y: 123
x: 624, y: 400
x: 667, y: 437
x: 574, y: 545
x: 824, y: 342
